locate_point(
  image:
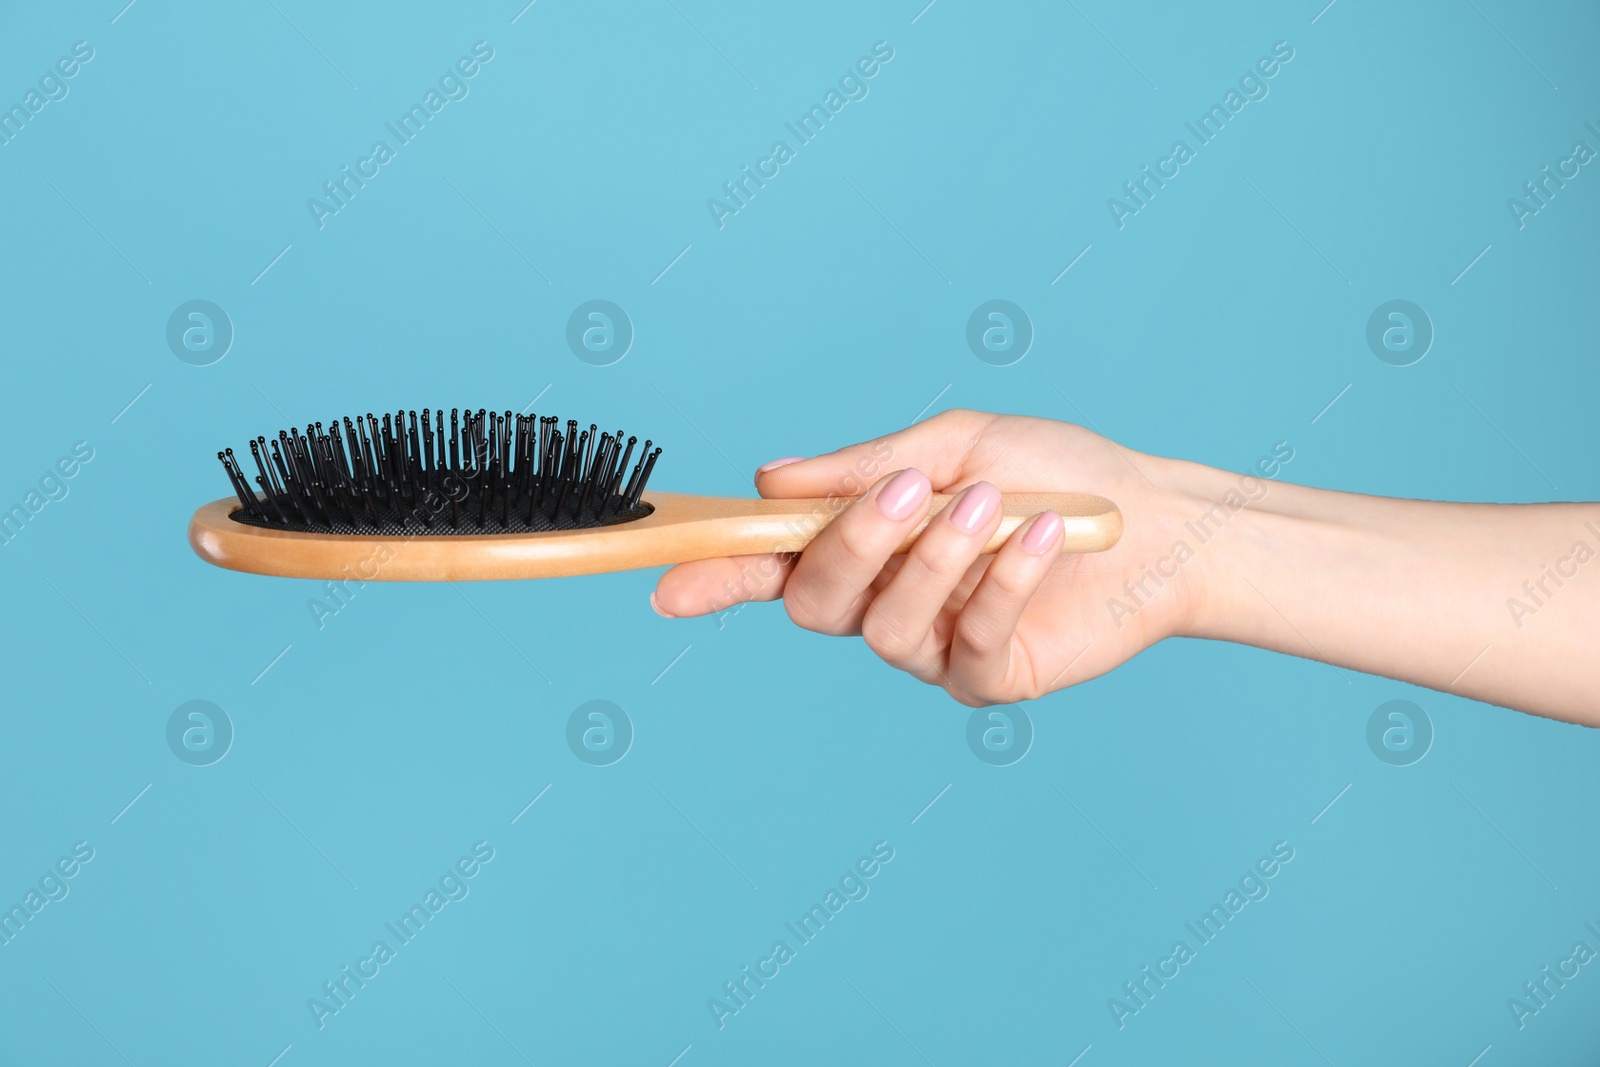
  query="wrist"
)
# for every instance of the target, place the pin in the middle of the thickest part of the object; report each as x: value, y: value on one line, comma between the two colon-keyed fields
x: 1237, y: 540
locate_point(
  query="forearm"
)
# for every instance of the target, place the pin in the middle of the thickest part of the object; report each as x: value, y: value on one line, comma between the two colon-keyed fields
x: 1499, y: 603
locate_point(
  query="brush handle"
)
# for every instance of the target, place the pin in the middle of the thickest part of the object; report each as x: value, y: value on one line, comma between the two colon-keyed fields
x: 680, y: 529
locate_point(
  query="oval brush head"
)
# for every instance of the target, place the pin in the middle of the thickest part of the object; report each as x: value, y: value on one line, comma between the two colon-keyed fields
x: 487, y: 473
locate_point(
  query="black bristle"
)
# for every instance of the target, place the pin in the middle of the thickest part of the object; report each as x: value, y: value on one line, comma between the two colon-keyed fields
x: 427, y: 442
x: 490, y: 472
x: 268, y: 483
x: 638, y: 471
x: 241, y: 488
x: 638, y: 490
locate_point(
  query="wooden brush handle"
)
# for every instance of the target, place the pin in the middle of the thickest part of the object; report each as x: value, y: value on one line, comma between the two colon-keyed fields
x: 682, y: 528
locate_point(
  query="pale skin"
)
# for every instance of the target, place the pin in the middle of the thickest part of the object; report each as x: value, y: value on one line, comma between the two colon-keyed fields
x: 1499, y: 603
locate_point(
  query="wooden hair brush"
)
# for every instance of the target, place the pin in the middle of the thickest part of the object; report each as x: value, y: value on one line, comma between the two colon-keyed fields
x: 512, y: 496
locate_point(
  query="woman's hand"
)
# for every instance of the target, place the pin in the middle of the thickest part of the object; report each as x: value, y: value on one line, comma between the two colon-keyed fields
x: 1498, y: 602
x: 989, y: 629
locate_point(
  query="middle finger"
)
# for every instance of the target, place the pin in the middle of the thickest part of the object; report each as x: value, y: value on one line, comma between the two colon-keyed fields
x: 830, y: 586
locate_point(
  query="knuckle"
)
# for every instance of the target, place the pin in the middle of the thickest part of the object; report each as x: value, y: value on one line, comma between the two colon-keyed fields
x: 980, y: 635
x: 941, y: 566
x: 886, y: 637
x: 962, y: 424
x: 954, y: 417
x: 969, y: 697
x: 859, y: 536
x: 1014, y: 587
x: 989, y: 689
x: 801, y: 608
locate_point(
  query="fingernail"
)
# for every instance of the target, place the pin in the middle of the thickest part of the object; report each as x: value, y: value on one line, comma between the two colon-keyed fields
x: 903, y: 494
x: 975, y: 506
x: 775, y: 464
x: 656, y: 604
x: 1042, y: 535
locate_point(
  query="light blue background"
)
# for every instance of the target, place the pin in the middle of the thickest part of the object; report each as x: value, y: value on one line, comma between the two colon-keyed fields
x: 424, y: 718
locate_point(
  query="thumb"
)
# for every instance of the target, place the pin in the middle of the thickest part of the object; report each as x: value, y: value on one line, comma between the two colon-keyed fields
x: 938, y: 447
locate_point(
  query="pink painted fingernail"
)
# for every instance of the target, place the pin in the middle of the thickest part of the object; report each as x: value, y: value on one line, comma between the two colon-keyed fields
x: 904, y: 493
x: 975, y: 506
x: 1042, y: 535
x: 663, y: 612
x: 775, y: 464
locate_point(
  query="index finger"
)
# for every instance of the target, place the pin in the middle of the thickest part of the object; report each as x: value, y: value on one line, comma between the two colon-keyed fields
x: 938, y: 447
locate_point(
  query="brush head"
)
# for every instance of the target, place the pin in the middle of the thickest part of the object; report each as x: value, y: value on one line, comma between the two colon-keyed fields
x: 488, y: 473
